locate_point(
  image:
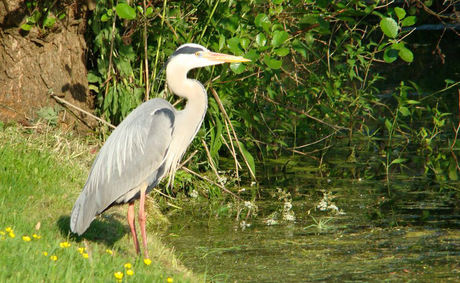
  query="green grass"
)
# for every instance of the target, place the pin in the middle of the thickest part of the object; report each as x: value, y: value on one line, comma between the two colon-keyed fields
x: 41, y: 175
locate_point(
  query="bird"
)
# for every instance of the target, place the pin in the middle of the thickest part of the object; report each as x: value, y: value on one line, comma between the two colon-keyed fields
x: 148, y: 144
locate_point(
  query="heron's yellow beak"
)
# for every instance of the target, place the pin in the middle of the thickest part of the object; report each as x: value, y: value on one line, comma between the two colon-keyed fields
x: 220, y: 57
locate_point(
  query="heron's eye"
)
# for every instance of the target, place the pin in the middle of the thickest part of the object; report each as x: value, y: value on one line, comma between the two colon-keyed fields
x: 198, y: 54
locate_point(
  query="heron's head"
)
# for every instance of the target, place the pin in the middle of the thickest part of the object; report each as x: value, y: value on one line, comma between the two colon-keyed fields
x: 191, y: 56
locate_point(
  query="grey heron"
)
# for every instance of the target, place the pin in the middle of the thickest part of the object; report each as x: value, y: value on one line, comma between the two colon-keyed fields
x: 147, y: 145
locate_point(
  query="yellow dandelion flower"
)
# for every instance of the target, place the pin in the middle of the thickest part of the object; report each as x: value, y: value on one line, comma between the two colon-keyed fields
x: 45, y: 253
x: 85, y: 255
x: 147, y: 261
x: 109, y: 251
x: 81, y: 250
x: 169, y: 280
x: 64, y: 245
x: 11, y: 234
x: 53, y: 258
x: 26, y: 238
x: 118, y: 275
x: 35, y: 236
x: 128, y: 265
x: 9, y: 229
x: 2, y: 233
x: 130, y: 272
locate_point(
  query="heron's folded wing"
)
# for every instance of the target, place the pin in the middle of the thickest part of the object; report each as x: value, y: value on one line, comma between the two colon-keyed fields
x: 132, y: 153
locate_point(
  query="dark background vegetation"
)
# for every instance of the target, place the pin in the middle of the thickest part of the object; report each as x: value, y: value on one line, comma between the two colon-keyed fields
x: 373, y: 76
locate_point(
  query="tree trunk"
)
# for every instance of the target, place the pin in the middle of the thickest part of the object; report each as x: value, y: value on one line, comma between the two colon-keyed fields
x: 41, y: 61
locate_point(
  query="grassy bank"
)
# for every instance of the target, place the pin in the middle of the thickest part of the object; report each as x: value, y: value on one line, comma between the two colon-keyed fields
x: 42, y: 172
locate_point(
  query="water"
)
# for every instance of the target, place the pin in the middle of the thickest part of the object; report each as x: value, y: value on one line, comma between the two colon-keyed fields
x: 413, y: 233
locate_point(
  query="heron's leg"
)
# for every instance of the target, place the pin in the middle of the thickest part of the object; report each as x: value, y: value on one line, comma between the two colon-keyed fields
x: 131, y: 223
x: 142, y: 219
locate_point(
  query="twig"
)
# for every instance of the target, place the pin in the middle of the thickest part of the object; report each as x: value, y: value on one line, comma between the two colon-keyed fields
x: 312, y: 143
x: 81, y: 110
x: 146, y: 60
x: 109, y: 68
x: 211, y: 162
x: 216, y: 97
x: 232, y: 150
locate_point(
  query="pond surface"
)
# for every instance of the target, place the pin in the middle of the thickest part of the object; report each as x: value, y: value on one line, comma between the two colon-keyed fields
x: 344, y: 230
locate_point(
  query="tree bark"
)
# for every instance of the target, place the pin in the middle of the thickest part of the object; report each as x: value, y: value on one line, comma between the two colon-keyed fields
x: 33, y: 64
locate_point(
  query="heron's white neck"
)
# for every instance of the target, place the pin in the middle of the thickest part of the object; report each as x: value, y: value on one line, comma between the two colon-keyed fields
x: 188, y: 120
x: 190, y: 89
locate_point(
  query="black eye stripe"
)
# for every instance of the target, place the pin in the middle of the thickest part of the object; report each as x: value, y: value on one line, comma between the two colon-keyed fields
x: 187, y: 50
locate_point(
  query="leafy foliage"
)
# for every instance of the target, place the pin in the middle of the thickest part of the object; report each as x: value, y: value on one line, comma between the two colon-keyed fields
x: 312, y: 77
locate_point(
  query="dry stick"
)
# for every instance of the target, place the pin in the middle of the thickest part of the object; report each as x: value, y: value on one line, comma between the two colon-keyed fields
x: 211, y: 162
x: 81, y: 110
x: 210, y: 181
x: 230, y: 147
x: 109, y: 69
x: 146, y: 61
x: 216, y: 97
x: 233, y: 151
x: 312, y: 143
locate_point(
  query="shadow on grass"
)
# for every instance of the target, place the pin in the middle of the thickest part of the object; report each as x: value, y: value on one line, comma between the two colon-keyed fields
x: 106, y: 230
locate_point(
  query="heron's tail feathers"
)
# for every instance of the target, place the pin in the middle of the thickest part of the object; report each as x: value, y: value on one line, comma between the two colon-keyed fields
x: 83, y: 214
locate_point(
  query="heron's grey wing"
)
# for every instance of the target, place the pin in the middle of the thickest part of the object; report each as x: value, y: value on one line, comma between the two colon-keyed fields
x: 130, y: 156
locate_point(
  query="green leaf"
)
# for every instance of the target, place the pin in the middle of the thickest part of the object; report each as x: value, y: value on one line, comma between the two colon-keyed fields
x: 49, y: 22
x: 233, y: 44
x: 406, y: 55
x: 93, y: 88
x: 390, y: 55
x: 105, y: 18
x: 237, y: 68
x: 126, y: 12
x: 453, y: 174
x: 279, y: 37
x: 128, y: 52
x: 262, y: 21
x: 272, y: 63
x: 283, y: 51
x: 389, y: 27
x: 261, y: 40
x: 323, y: 26
x: 398, y: 46
x: 388, y: 125
x: 252, y: 55
x: 398, y: 161
x: 400, y: 13
x: 309, y: 20
x: 244, y: 42
x: 93, y: 77
x: 412, y: 102
x: 309, y: 38
x: 221, y: 42
x: 409, y: 21
x: 26, y: 27
x: 298, y: 47
x: 149, y: 11
x: 404, y: 111
x: 35, y: 17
